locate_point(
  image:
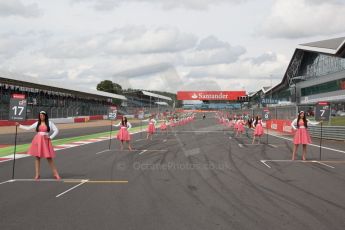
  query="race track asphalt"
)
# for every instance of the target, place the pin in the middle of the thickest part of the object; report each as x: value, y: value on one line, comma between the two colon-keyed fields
x: 199, y: 176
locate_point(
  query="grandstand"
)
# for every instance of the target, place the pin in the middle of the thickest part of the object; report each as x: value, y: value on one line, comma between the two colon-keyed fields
x: 58, y: 100
x: 315, y: 73
x: 149, y: 102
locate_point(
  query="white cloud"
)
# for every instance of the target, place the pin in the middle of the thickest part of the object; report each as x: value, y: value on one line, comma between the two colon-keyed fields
x: 264, y: 58
x: 210, y: 64
x: 13, y: 43
x: 143, y: 40
x: 106, y: 5
x: 304, y: 18
x: 17, y: 8
x: 130, y: 40
x: 212, y: 51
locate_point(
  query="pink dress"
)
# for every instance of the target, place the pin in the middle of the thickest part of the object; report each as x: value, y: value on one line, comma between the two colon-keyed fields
x: 163, y: 126
x: 123, y: 134
x: 240, y: 127
x: 172, y: 123
x: 151, y: 128
x: 230, y: 124
x: 41, y: 145
x: 259, y: 131
x: 302, y: 135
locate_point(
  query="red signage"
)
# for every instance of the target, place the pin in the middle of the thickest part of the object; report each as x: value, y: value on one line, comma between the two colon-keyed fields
x: 322, y: 103
x: 210, y: 95
x: 18, y: 96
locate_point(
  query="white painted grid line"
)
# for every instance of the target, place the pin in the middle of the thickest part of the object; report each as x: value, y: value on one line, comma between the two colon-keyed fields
x: 300, y: 161
x: 107, y: 150
x: 61, y: 194
x: 264, y: 162
x: 321, y: 163
x: 143, y: 151
x: 8, y: 181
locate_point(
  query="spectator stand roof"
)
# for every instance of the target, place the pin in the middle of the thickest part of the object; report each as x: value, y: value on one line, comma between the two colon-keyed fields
x: 31, y: 82
x: 156, y: 95
x: 334, y: 47
x: 140, y: 93
x: 161, y: 103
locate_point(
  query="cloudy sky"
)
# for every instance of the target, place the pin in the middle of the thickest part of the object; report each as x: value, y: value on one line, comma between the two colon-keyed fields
x: 167, y: 45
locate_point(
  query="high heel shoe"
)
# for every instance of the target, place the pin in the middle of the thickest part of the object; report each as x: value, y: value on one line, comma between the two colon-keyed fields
x: 37, y: 177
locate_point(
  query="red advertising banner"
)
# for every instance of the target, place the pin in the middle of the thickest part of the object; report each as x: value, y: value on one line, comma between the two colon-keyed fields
x: 210, y: 95
x: 18, y: 96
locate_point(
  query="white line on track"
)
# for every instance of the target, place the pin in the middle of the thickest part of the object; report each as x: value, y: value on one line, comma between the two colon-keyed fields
x: 200, y: 131
x: 61, y: 194
x: 274, y: 146
x: 8, y: 181
x: 6, y: 160
x: 300, y: 161
x: 253, y: 144
x: 264, y: 162
x: 107, y: 150
x: 39, y: 180
x: 143, y: 151
x: 321, y: 163
x: 82, y: 142
x: 140, y: 140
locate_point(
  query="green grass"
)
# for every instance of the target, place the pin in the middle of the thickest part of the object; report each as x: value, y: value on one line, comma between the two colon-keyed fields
x: 336, y: 121
x: 24, y: 147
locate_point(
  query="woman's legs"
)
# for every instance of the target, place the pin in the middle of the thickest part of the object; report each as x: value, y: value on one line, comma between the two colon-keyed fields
x: 53, y: 167
x: 253, y: 139
x: 129, y: 146
x: 294, y: 151
x: 121, y: 145
x: 304, y: 152
x: 37, y: 167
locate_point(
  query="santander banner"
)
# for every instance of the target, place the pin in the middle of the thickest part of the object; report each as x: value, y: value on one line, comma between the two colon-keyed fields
x: 210, y: 95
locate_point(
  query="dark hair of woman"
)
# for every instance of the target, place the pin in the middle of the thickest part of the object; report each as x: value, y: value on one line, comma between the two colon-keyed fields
x: 124, y: 121
x: 256, y: 120
x: 46, y: 121
x: 304, y: 120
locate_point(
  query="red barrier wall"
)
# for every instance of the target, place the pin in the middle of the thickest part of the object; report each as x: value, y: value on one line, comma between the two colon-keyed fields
x: 96, y: 117
x: 283, y: 126
x: 79, y: 119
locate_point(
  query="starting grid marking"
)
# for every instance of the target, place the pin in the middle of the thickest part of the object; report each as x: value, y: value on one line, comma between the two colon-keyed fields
x: 272, y: 145
x: 79, y: 182
x: 265, y: 162
x: 141, y: 151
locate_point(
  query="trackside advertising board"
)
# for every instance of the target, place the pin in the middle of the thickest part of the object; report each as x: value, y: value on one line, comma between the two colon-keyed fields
x: 210, y: 95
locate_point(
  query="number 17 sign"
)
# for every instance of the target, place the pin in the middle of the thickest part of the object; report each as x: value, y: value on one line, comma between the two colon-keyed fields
x: 18, y: 106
